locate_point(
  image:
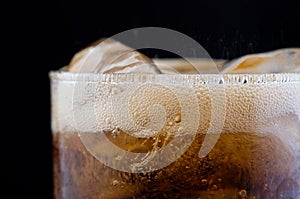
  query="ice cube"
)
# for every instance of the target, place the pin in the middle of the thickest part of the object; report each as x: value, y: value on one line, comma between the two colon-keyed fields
x: 110, y: 56
x: 278, y: 61
x: 192, y: 66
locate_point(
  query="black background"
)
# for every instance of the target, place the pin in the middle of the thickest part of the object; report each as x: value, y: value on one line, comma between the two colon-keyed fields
x: 43, y: 36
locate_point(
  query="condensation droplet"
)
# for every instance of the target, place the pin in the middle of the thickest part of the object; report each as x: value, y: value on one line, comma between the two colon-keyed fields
x: 170, y: 123
x: 178, y: 118
x: 243, y: 193
x: 266, y: 187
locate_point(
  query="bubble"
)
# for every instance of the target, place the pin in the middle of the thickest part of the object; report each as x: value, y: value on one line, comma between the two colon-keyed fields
x: 115, y: 132
x: 115, y: 91
x: 214, y: 187
x: 181, y: 130
x: 115, y: 182
x: 204, y: 181
x: 118, y: 157
x: 243, y: 193
x: 221, y: 81
x: 178, y: 118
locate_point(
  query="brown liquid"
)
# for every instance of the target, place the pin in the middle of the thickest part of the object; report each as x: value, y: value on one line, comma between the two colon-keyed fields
x: 241, y: 165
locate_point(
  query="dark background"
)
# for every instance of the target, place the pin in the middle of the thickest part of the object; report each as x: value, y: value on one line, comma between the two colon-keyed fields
x: 44, y: 36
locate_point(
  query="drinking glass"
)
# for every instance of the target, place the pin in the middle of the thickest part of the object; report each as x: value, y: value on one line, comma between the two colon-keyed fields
x: 176, y: 136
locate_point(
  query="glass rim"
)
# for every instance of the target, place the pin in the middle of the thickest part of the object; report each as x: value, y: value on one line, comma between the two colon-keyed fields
x: 246, y: 78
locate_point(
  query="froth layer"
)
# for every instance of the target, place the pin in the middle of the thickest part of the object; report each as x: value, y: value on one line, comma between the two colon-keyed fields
x: 148, y: 104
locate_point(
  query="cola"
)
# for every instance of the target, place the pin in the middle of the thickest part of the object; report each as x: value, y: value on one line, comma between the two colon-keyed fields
x: 235, y: 171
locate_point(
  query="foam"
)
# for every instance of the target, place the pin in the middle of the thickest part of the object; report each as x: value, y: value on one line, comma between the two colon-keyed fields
x: 253, y: 102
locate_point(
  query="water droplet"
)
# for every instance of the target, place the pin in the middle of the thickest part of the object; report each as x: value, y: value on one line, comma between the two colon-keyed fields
x: 115, y: 91
x: 170, y: 123
x: 219, y: 180
x: 243, y: 193
x: 115, y: 182
x: 107, y: 121
x: 178, y: 118
x: 266, y: 187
